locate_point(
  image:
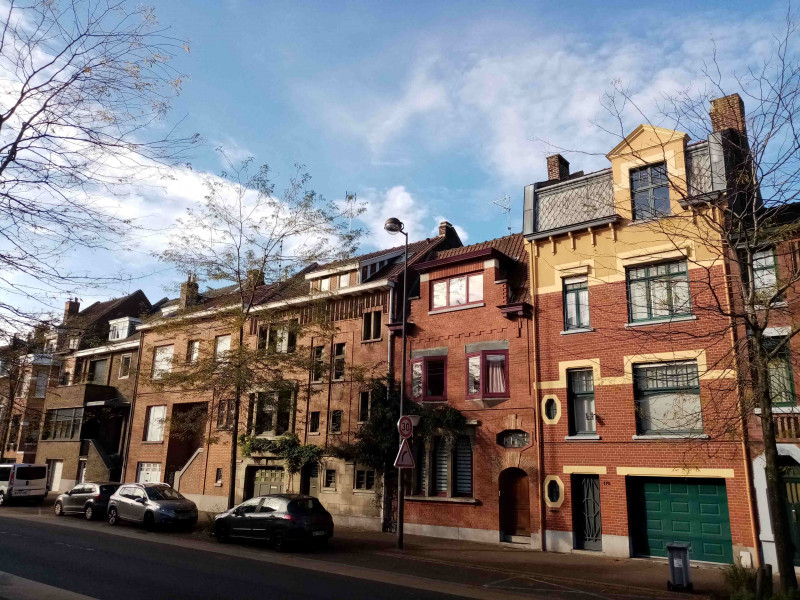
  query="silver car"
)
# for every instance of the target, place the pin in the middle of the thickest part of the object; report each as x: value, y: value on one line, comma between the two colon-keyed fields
x: 151, y: 504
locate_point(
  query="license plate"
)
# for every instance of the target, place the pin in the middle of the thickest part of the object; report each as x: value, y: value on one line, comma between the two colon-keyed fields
x: 317, y: 533
x: 21, y: 493
x: 184, y: 516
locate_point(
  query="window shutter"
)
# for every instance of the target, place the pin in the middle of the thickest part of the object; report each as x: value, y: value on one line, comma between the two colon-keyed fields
x: 440, y: 467
x: 463, y: 466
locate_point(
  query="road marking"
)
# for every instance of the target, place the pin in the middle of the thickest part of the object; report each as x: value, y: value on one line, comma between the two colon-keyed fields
x: 19, y: 588
x: 75, y: 547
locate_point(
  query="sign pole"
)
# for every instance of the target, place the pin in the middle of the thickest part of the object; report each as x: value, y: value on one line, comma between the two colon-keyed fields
x: 400, y: 493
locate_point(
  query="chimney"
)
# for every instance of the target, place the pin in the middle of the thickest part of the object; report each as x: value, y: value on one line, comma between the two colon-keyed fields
x: 557, y: 168
x: 728, y: 113
x: 71, y: 308
x: 255, y: 278
x: 189, y: 292
x: 443, y: 228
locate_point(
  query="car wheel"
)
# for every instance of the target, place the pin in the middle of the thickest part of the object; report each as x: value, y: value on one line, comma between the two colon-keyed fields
x: 58, y: 509
x: 88, y: 512
x: 221, y: 532
x: 149, y: 521
x: 279, y: 541
x: 2, y: 498
x: 113, y: 516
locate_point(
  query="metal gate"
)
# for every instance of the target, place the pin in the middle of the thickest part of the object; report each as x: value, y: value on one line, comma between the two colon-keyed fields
x: 586, y: 520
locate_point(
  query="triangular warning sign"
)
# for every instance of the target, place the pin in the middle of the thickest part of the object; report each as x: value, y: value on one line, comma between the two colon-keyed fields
x: 405, y: 459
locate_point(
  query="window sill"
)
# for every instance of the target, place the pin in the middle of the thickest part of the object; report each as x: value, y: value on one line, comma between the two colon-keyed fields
x: 152, y: 441
x: 328, y: 491
x: 218, y: 484
x: 661, y: 321
x: 357, y: 492
x: 313, y: 433
x: 372, y: 341
x: 455, y: 308
x: 445, y: 499
x: 581, y: 438
x: 671, y: 436
x: 577, y: 330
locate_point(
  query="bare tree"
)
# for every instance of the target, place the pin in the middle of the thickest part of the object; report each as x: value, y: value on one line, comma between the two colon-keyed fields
x: 83, y: 83
x: 252, y: 238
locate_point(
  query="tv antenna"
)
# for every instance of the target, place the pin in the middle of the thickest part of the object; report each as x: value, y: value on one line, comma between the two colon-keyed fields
x: 350, y: 199
x: 505, y: 206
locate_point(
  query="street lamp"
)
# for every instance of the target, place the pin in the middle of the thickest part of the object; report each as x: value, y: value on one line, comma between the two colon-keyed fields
x: 395, y: 226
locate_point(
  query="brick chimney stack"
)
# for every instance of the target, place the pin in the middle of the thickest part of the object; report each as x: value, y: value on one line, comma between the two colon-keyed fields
x: 71, y: 308
x: 443, y: 227
x: 557, y: 168
x: 728, y: 113
x: 189, y: 292
x: 255, y: 278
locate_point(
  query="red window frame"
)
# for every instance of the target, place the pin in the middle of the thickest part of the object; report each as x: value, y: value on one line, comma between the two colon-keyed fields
x: 483, y: 393
x: 447, y: 280
x: 424, y: 379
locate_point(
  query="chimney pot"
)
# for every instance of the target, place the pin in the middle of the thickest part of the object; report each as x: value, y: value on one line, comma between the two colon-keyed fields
x: 557, y: 168
x: 71, y: 308
x: 189, y: 292
x: 728, y: 113
x: 443, y: 227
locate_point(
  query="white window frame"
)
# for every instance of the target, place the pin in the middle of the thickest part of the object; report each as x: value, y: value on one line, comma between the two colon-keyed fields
x: 344, y: 280
x: 325, y: 284
x: 41, y: 385
x: 122, y: 362
x: 162, y: 364
x: 154, y: 423
x: 221, y: 348
x: 192, y: 351
x: 74, y: 342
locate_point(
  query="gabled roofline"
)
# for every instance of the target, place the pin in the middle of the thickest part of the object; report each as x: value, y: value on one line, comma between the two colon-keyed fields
x: 672, y: 135
x: 484, y: 253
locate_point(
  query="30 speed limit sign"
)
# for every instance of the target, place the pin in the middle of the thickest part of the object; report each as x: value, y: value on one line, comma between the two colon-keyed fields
x: 405, y: 427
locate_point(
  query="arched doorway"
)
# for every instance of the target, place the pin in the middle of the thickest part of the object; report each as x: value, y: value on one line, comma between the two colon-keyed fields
x: 515, y: 509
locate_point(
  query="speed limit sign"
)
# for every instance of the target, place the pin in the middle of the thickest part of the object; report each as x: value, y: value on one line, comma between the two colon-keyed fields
x: 405, y: 427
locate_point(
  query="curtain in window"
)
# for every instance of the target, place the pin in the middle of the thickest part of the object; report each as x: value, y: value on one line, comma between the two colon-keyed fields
x: 162, y: 361
x: 496, y: 373
x: 155, y: 423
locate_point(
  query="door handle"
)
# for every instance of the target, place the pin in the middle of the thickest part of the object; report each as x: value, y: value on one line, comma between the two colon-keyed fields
x: 794, y: 515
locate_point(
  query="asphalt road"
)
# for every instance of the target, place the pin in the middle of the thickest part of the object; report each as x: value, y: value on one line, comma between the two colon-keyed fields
x: 104, y: 566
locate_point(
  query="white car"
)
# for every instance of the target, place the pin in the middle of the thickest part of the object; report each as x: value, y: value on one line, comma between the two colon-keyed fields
x: 21, y: 481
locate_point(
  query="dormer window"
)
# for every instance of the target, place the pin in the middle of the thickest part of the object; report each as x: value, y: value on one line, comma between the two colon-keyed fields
x: 119, y: 329
x: 457, y: 291
x: 650, y: 192
x: 344, y: 280
x: 325, y: 284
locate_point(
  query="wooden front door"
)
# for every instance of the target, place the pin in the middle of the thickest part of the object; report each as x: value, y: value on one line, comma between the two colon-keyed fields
x: 515, y: 511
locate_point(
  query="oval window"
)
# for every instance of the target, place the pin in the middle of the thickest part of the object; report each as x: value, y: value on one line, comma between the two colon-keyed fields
x: 553, y: 491
x: 550, y: 409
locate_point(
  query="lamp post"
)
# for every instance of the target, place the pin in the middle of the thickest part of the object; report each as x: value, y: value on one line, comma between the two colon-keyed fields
x: 394, y: 226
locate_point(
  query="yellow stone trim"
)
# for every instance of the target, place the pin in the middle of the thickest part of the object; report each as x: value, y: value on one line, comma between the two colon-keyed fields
x: 560, y: 483
x: 627, y: 366
x: 586, y: 470
x: 676, y: 472
x: 555, y: 419
x: 664, y: 136
x: 582, y: 267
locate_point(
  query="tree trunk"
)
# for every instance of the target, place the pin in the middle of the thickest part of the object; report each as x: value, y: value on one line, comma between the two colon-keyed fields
x: 775, y: 492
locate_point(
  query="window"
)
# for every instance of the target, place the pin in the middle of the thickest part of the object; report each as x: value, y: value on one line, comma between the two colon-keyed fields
x: 365, y: 479
x: 658, y: 291
x: 428, y: 378
x: 222, y: 346
x: 487, y: 374
x: 364, y: 400
x: 74, y: 342
x: 280, y: 338
x: 765, y: 273
x: 155, y: 418
x: 118, y: 330
x: 576, y: 303
x: 97, y: 371
x: 313, y: 422
x: 273, y: 412
x: 553, y: 491
x: 147, y: 473
x: 650, y: 191
x: 580, y: 395
x: 318, y: 367
x: 441, y: 459
x: 330, y: 478
x: 162, y: 361
x: 192, y: 351
x: 62, y: 424
x: 457, y: 291
x: 325, y: 284
x: 124, y: 366
x: 550, y: 409
x: 371, y: 329
x: 225, y: 408
x: 514, y: 438
x: 668, y: 398
x: 336, y: 421
x: 463, y: 467
x: 218, y: 478
x: 263, y: 337
x: 339, y: 361
x: 344, y: 280
x: 451, y: 468
x: 41, y: 385
x: 781, y: 379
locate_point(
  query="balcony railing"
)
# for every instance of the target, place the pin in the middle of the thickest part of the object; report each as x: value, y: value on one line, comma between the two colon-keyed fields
x: 787, y: 427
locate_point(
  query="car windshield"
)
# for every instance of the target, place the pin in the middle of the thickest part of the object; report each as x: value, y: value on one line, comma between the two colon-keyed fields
x: 163, y: 493
x: 305, y: 506
x: 29, y: 473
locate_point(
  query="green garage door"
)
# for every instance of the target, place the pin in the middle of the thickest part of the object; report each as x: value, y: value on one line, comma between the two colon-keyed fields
x: 674, y: 509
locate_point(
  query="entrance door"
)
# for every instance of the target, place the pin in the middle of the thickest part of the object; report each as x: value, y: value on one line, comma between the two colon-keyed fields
x: 586, y: 523
x: 81, y: 471
x: 791, y: 487
x: 267, y: 480
x: 54, y: 474
x: 309, y: 480
x: 515, y: 512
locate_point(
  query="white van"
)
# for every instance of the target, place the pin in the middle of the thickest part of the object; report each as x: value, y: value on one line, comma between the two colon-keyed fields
x: 20, y: 481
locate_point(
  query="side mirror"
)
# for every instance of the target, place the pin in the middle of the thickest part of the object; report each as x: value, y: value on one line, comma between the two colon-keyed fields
x: 238, y: 511
x: 141, y: 500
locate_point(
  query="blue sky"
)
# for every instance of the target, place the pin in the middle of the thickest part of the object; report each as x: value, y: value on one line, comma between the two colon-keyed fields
x: 427, y: 110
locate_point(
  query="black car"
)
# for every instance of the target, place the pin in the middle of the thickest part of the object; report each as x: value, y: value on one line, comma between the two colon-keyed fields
x: 88, y: 499
x: 281, y: 519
